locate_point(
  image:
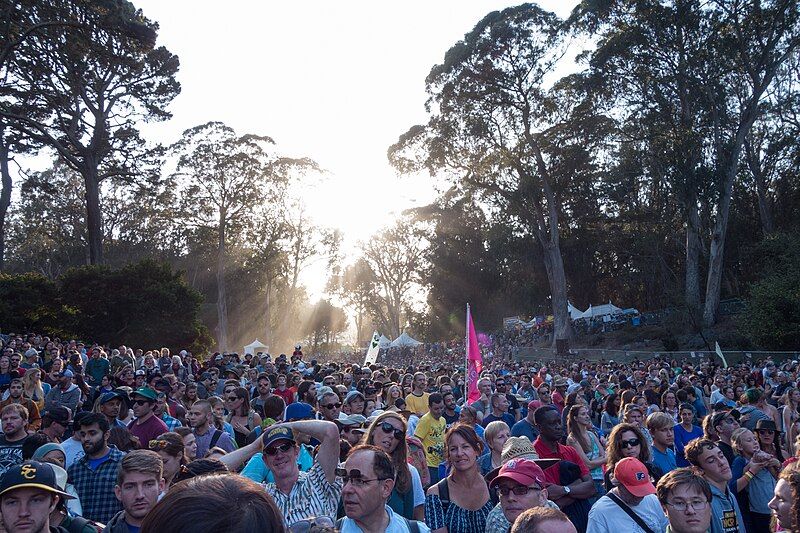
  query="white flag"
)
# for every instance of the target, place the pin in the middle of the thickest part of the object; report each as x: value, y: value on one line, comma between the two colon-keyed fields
x: 372, y: 351
x: 719, y: 353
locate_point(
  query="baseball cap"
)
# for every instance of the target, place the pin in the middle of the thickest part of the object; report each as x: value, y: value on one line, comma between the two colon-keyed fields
x: 111, y: 395
x: 67, y: 373
x: 276, y: 434
x: 140, y: 372
x: 298, y: 411
x: 352, y: 420
x: 352, y: 395
x: 632, y: 474
x: 523, y: 471
x: 31, y: 474
x: 145, y: 392
x: 59, y: 414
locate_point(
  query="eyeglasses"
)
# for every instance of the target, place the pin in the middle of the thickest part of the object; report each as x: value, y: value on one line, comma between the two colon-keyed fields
x: 141, y: 402
x: 518, y: 490
x: 273, y: 450
x: 332, y: 406
x: 697, y: 505
x: 312, y: 525
x: 355, y: 477
x: 630, y: 443
x: 387, y: 428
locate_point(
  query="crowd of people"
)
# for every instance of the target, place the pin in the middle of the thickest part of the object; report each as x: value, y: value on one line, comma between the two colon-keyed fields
x: 121, y: 439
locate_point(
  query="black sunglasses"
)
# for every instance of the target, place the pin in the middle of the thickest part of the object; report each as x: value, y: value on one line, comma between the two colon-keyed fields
x: 273, y: 450
x: 630, y: 443
x: 386, y: 427
x: 332, y: 406
x: 141, y: 402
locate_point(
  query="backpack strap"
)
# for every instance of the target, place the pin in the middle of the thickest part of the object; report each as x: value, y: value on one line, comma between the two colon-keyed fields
x: 444, y: 493
x: 636, y: 518
x: 215, y: 438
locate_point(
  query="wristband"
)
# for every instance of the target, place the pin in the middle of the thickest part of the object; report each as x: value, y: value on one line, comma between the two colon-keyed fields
x: 749, y: 475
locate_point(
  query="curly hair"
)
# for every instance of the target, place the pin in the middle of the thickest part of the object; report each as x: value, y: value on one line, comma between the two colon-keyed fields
x: 791, y: 475
x: 614, y: 446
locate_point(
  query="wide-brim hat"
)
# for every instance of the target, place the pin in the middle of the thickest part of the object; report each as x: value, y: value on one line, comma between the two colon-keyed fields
x: 519, y: 448
x: 766, y: 423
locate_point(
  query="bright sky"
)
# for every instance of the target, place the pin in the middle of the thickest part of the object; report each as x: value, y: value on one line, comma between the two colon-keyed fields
x: 334, y: 81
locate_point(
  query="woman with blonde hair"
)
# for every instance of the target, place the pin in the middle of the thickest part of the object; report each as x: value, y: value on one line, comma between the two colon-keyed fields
x: 789, y: 417
x: 33, y: 388
x: 753, y: 477
x: 587, y: 444
x: 496, y: 434
x: 390, y: 394
x: 388, y: 432
x: 218, y: 415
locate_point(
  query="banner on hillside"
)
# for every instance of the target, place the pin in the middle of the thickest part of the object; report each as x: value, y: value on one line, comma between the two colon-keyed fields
x: 474, y: 362
x: 372, y: 351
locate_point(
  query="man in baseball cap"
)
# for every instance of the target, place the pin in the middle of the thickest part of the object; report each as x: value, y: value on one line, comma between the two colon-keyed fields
x: 28, y: 494
x: 521, y: 485
x: 631, y: 505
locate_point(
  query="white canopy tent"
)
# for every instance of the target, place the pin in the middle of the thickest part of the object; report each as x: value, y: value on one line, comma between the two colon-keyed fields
x: 601, y: 310
x: 255, y: 346
x: 574, y: 312
x: 405, y: 340
x: 384, y: 342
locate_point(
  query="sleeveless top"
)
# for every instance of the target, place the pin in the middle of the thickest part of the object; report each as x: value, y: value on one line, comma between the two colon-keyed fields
x: 596, y: 472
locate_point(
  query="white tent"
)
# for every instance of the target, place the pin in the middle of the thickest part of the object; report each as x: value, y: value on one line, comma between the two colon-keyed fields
x: 405, y: 340
x: 574, y: 312
x: 384, y: 342
x: 601, y: 310
x: 255, y: 346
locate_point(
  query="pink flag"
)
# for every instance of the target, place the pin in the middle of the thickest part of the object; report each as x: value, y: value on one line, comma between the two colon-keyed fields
x: 474, y: 361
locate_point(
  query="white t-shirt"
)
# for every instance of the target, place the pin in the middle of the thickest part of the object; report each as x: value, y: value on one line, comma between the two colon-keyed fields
x: 73, y: 450
x: 416, y: 485
x: 607, y: 517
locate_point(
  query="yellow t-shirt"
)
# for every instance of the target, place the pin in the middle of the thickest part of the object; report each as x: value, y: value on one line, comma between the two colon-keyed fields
x: 417, y: 404
x: 431, y: 433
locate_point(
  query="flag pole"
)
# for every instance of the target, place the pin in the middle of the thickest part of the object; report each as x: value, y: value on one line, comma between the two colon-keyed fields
x: 466, y: 359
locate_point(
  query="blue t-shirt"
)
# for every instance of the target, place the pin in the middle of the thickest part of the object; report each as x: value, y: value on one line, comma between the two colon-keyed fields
x: 523, y: 428
x: 94, y: 464
x: 665, y: 461
x: 682, y: 438
x: 507, y: 418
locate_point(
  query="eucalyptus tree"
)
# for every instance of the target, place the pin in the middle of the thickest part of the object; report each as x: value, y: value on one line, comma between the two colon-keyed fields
x: 503, y: 130
x: 83, y: 84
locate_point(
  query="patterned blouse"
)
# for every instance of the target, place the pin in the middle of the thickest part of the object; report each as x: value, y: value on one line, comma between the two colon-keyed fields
x: 456, y: 519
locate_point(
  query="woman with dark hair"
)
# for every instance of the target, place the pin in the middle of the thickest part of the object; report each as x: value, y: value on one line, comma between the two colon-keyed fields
x: 169, y: 446
x: 610, y: 416
x: 669, y: 405
x: 582, y: 437
x: 215, y: 504
x: 240, y: 415
x: 124, y: 440
x: 627, y: 440
x: 388, y: 432
x: 189, y: 442
x: 189, y: 395
x: 460, y: 502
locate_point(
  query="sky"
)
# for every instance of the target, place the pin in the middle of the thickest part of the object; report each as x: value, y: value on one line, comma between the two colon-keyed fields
x: 334, y: 81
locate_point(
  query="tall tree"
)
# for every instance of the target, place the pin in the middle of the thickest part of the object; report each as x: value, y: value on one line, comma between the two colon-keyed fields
x: 84, y: 88
x: 500, y: 129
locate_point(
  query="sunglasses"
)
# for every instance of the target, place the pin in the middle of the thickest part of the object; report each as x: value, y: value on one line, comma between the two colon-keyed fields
x: 630, y: 443
x: 355, y: 477
x: 273, y: 450
x: 387, y: 428
x: 141, y: 402
x: 332, y: 406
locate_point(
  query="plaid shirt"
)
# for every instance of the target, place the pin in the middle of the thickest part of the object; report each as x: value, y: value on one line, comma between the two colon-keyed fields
x: 171, y: 422
x: 96, y: 487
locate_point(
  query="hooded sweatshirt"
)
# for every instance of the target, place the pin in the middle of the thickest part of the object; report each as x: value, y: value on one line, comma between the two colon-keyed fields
x: 117, y: 524
x: 69, y: 398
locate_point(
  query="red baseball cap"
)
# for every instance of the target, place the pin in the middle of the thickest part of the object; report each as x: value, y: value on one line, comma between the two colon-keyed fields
x: 534, y: 405
x: 632, y: 474
x: 523, y: 471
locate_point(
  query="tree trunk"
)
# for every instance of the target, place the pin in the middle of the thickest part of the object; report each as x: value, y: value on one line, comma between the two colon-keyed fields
x: 222, y: 305
x: 693, y: 256
x: 5, y: 196
x: 554, y: 265
x: 754, y: 163
x: 94, y: 216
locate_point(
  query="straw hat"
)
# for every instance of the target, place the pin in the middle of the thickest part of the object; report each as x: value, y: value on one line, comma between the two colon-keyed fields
x: 519, y: 448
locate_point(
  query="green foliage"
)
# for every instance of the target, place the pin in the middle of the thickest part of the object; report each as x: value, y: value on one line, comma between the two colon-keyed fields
x: 144, y: 304
x: 772, y: 320
x: 28, y: 302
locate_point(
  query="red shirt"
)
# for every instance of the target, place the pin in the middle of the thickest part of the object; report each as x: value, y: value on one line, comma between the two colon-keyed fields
x: 565, y: 453
x: 287, y: 395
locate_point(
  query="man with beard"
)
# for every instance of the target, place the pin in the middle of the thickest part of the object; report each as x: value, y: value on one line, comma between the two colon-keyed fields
x: 264, y: 390
x: 15, y: 424
x: 200, y: 419
x: 139, y: 482
x: 147, y: 426
x: 65, y: 392
x: 95, y: 474
x: 109, y: 406
x: 15, y: 395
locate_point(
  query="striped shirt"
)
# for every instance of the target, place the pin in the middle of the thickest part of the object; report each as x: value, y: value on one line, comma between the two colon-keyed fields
x: 312, y: 495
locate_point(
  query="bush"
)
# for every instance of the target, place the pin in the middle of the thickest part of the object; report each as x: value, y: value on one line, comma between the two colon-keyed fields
x: 28, y: 302
x: 772, y: 320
